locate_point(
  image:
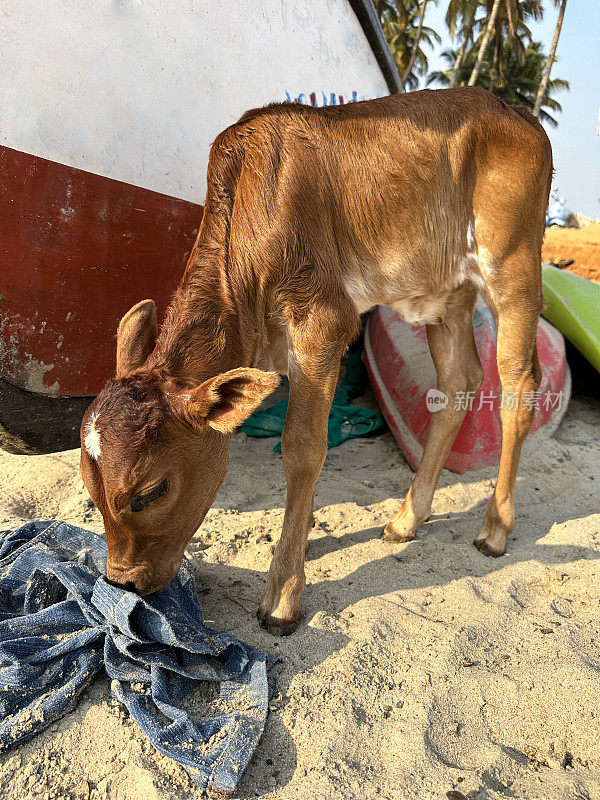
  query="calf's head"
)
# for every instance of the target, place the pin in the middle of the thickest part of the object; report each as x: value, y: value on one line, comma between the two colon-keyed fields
x: 154, y: 453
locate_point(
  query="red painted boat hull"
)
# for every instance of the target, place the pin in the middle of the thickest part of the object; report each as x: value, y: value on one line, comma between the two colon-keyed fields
x: 402, y: 373
x: 77, y: 250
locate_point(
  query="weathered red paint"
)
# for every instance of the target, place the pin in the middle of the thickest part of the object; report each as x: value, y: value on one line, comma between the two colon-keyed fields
x: 402, y: 372
x: 76, y: 251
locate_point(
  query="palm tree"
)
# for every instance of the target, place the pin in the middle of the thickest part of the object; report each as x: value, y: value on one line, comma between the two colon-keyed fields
x: 520, y: 80
x: 453, y: 76
x: 506, y: 20
x: 484, y: 43
x: 406, y: 34
x: 415, y: 46
x: 542, y: 89
x: 460, y: 19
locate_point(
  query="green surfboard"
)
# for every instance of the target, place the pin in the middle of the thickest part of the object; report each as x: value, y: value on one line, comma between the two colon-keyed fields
x: 573, y: 306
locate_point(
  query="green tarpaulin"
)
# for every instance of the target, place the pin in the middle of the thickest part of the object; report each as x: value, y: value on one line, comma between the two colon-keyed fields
x: 345, y: 421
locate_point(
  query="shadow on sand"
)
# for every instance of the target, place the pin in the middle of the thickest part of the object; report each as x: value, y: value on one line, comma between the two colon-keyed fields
x: 450, y: 533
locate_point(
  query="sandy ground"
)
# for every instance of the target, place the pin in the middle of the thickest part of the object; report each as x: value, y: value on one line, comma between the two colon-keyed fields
x: 583, y: 246
x: 418, y: 669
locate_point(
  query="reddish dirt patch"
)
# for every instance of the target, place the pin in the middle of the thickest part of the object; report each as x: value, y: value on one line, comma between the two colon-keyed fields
x: 581, y: 245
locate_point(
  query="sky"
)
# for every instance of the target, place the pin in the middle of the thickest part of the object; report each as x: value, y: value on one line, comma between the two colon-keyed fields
x: 575, y: 144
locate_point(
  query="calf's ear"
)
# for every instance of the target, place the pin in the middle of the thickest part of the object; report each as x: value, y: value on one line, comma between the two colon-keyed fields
x: 136, y: 337
x: 226, y: 400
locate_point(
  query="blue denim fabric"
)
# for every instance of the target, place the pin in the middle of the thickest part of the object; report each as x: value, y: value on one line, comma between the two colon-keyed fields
x: 60, y: 623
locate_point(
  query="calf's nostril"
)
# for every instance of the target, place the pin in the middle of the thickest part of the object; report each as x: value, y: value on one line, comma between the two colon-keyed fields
x: 128, y: 586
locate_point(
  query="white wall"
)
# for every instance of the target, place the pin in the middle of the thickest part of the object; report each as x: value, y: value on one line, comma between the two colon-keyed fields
x: 138, y: 89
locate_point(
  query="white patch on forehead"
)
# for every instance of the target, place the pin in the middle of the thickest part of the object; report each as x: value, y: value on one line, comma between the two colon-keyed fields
x: 91, y: 439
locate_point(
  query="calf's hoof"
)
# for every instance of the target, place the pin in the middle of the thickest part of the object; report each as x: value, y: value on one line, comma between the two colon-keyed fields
x: 401, y: 529
x: 491, y: 542
x: 275, y: 625
x: 391, y: 533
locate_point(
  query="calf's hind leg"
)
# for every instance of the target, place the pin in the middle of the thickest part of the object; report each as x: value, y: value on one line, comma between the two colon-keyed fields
x: 452, y: 347
x: 520, y: 376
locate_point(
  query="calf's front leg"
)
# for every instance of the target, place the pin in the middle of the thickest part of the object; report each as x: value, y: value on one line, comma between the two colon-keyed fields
x: 304, y: 445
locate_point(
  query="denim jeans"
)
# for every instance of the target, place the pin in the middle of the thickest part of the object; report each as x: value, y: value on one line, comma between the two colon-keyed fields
x: 200, y: 696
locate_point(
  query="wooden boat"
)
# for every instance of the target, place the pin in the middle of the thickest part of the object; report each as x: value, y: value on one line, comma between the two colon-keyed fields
x: 404, y: 380
x: 103, y: 162
x: 572, y: 304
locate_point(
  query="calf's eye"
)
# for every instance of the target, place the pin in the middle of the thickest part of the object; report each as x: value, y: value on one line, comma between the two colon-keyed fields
x: 140, y: 502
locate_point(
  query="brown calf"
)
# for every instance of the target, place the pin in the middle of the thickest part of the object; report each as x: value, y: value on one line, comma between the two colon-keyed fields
x: 312, y: 216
